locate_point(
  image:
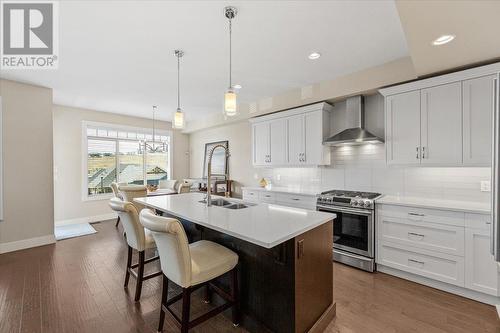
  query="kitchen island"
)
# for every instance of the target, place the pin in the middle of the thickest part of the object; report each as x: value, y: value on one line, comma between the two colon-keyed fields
x: 285, y: 257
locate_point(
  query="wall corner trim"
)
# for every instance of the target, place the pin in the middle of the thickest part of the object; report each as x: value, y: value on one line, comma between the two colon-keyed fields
x: 27, y: 243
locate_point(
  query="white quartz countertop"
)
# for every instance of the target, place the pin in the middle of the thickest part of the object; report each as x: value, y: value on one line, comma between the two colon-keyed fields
x: 455, y: 205
x: 262, y: 224
x: 282, y: 189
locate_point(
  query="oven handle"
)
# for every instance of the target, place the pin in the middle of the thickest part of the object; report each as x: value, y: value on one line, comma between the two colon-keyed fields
x: 344, y: 210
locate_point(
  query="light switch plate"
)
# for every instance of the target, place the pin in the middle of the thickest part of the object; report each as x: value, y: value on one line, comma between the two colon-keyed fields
x: 485, y: 186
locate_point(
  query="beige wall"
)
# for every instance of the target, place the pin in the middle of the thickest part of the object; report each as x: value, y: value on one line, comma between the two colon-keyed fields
x: 68, y: 159
x: 240, y: 161
x: 27, y: 159
x: 362, y: 82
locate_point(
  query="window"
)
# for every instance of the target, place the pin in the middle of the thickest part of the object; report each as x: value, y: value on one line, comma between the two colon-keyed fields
x: 101, y: 166
x: 119, y: 154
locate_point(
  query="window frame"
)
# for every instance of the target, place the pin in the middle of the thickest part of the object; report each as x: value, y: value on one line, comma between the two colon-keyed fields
x: 117, y: 139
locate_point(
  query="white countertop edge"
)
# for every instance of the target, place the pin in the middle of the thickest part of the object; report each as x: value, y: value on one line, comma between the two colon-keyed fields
x: 239, y: 236
x: 452, y: 205
x: 278, y: 189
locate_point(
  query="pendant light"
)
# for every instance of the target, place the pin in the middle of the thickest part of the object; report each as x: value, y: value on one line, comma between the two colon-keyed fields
x: 178, y: 122
x: 230, y: 106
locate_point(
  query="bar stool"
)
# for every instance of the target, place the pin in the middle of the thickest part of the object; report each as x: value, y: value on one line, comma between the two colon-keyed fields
x: 137, y: 239
x: 190, y: 266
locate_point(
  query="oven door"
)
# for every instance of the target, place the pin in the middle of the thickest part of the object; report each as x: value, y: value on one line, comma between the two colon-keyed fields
x: 352, y: 229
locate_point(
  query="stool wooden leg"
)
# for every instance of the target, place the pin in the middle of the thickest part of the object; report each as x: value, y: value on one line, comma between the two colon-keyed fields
x: 164, y: 298
x: 207, y: 297
x: 117, y: 221
x: 140, y: 275
x: 186, y: 303
x: 235, y: 296
x: 129, y: 263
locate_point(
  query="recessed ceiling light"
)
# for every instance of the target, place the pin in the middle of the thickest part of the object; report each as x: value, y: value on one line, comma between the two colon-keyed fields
x: 314, y: 55
x: 441, y: 40
x: 237, y: 86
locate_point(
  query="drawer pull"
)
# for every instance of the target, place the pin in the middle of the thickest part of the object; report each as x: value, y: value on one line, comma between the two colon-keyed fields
x: 416, y: 261
x: 267, y: 196
x: 416, y: 214
x: 488, y: 222
x: 296, y: 199
x: 415, y: 234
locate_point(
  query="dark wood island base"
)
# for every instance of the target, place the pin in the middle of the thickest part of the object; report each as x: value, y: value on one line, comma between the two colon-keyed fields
x: 287, y: 288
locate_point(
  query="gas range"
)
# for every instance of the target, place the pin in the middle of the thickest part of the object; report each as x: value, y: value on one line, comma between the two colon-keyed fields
x: 355, y: 199
x: 354, y: 226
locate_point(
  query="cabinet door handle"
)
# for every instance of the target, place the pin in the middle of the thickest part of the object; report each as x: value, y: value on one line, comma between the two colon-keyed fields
x: 416, y: 214
x: 423, y: 152
x: 417, y: 157
x: 300, y: 249
x: 416, y: 261
x: 415, y: 234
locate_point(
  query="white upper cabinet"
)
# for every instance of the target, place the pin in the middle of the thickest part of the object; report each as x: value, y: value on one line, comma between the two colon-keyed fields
x: 314, y: 152
x: 261, y: 138
x: 478, y: 96
x: 403, y: 128
x: 292, y: 138
x: 441, y: 125
x: 442, y: 121
x: 296, y: 141
x: 278, y: 145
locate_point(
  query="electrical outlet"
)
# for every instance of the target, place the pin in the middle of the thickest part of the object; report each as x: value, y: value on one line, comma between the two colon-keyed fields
x: 485, y: 186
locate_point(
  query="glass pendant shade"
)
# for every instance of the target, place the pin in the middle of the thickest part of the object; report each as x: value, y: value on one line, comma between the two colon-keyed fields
x: 230, y: 107
x: 178, y: 122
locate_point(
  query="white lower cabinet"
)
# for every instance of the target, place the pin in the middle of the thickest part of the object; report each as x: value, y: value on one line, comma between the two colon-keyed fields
x: 428, y: 236
x: 482, y: 274
x: 267, y: 197
x: 442, y: 245
x: 280, y: 198
x: 250, y: 195
x: 437, y: 266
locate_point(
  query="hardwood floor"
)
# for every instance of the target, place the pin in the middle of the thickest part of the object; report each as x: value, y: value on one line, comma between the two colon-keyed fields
x: 76, y: 285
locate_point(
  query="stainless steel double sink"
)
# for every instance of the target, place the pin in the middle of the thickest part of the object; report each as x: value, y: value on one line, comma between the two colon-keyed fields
x: 227, y: 204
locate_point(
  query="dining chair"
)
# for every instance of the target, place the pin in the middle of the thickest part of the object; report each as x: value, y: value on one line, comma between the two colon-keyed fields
x: 130, y: 192
x: 191, y: 266
x: 184, y: 188
x: 117, y: 194
x: 171, y: 184
x: 137, y: 239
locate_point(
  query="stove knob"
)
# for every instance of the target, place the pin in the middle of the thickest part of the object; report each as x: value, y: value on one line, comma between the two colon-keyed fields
x: 367, y: 203
x: 354, y: 202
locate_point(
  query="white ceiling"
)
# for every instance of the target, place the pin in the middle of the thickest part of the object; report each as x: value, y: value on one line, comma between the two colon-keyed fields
x: 118, y: 56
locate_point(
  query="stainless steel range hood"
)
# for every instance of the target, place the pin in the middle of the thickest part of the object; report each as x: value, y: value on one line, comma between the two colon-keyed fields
x: 356, y: 134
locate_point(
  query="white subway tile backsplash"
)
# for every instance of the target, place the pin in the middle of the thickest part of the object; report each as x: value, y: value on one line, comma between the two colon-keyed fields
x: 363, y: 168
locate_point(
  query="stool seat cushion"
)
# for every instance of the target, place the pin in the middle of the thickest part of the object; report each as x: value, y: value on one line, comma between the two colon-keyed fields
x: 210, y: 260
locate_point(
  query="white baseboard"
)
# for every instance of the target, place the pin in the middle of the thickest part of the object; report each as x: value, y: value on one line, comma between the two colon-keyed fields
x: 27, y: 243
x: 461, y: 291
x: 88, y: 219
